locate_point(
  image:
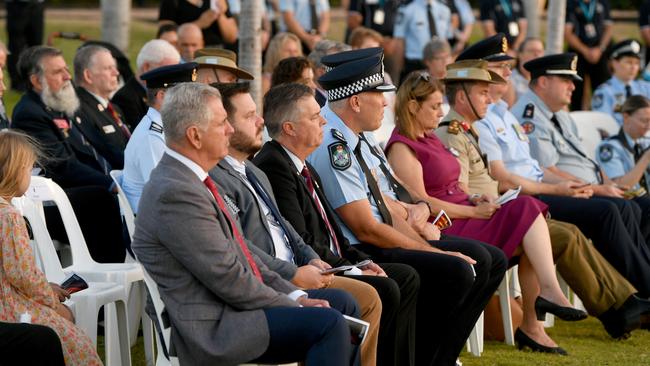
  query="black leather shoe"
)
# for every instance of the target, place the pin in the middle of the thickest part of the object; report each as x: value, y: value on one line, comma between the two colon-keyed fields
x: 620, y: 322
x: 543, y: 306
x: 522, y: 341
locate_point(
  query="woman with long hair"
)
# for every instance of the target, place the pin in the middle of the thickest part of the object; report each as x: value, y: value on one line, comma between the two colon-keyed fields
x: 23, y: 287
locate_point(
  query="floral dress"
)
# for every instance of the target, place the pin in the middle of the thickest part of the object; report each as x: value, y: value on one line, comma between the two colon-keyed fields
x: 24, y: 288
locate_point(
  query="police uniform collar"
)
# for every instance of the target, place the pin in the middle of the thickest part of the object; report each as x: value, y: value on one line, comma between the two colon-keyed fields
x: 154, y: 115
x: 499, y: 108
x: 616, y: 82
x: 540, y: 106
x: 334, y: 122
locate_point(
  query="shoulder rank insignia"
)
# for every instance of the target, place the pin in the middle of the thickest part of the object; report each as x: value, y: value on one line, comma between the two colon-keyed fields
x: 340, y: 155
x: 455, y: 127
x: 597, y: 101
x: 338, y: 135
x: 529, y: 111
x: 155, y: 127
x: 605, y: 153
x: 528, y: 127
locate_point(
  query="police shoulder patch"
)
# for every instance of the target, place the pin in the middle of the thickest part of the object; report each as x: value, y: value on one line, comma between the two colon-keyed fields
x: 340, y: 155
x: 597, y: 100
x: 155, y: 127
x: 529, y: 111
x: 528, y: 126
x: 605, y: 152
x: 338, y: 135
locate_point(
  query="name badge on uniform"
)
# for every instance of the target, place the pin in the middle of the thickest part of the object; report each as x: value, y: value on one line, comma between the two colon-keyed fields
x: 108, y: 129
x: 521, y: 134
x: 590, y: 30
x: 454, y: 152
x: 513, y: 29
x: 379, y: 17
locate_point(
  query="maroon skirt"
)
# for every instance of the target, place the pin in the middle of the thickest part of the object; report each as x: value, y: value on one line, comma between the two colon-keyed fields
x: 506, y: 228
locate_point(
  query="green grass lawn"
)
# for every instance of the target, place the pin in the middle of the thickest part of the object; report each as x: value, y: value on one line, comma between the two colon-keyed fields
x: 586, y: 341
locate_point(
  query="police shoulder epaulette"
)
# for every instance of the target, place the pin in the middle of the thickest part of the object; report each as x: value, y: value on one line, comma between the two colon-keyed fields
x: 529, y: 111
x: 155, y: 127
x: 338, y: 135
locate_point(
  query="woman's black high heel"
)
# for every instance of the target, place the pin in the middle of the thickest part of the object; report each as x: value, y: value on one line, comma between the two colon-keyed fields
x: 543, y: 306
x: 522, y: 340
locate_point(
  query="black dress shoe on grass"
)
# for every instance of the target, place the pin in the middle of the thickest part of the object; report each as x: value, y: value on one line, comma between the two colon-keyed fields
x: 567, y: 313
x: 524, y: 341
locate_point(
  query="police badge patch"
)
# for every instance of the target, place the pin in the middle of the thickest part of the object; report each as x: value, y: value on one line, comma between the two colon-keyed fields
x: 528, y: 127
x: 605, y: 153
x: 340, y: 156
x: 597, y: 101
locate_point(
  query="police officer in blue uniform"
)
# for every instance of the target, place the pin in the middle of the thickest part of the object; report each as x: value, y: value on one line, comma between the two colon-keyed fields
x: 356, y: 181
x: 625, y: 157
x: 415, y: 25
x: 625, y: 60
x: 147, y: 144
x: 554, y: 144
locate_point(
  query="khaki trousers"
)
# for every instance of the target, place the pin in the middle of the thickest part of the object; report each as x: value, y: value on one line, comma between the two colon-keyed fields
x: 590, y: 276
x: 370, y: 305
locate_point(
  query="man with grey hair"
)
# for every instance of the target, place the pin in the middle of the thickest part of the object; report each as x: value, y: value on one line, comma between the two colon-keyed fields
x: 131, y: 98
x: 47, y: 112
x: 95, y: 73
x: 322, y: 49
x: 147, y: 144
x: 224, y: 304
x: 436, y: 55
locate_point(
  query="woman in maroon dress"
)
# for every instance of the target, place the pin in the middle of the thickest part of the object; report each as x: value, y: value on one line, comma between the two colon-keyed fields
x: 518, y: 227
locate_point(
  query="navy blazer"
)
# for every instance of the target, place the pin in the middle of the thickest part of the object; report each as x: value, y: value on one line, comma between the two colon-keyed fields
x: 70, y: 161
x: 297, y: 206
x: 132, y: 100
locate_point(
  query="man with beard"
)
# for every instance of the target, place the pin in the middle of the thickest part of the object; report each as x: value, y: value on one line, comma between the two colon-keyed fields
x: 95, y: 73
x: 47, y: 113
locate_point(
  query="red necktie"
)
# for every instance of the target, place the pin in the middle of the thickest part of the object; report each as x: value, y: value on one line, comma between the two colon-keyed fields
x: 222, y: 206
x: 310, y: 185
x: 118, y: 120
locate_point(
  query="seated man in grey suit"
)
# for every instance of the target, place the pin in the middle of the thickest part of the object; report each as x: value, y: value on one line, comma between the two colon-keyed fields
x: 225, y: 306
x: 249, y: 194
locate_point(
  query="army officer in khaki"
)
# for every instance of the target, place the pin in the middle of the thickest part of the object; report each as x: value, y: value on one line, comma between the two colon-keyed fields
x: 456, y: 130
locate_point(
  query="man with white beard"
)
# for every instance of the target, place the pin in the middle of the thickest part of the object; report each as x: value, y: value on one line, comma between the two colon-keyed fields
x: 47, y: 112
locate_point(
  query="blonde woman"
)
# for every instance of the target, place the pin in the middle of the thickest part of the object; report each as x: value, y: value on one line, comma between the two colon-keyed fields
x: 23, y: 287
x: 282, y: 45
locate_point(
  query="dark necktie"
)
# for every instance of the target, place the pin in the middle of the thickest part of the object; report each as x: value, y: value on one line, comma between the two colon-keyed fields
x: 432, y: 22
x: 638, y: 152
x: 238, y: 237
x: 263, y: 194
x: 103, y: 163
x: 599, y: 173
x: 314, y: 196
x: 402, y: 194
x: 314, y: 17
x: 118, y: 120
x: 374, y: 188
x: 628, y: 91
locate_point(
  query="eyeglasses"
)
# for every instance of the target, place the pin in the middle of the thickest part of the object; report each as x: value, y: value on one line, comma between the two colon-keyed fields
x: 504, y: 66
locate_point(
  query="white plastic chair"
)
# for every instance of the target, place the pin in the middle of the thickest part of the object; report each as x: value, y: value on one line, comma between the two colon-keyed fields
x: 86, y: 302
x: 589, y: 123
x: 126, y: 274
x: 125, y: 206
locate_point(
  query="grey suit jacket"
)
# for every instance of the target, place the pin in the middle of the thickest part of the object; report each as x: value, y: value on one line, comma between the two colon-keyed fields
x: 253, y: 221
x: 213, y: 299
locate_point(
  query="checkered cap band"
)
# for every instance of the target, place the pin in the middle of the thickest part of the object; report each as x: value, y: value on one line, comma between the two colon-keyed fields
x: 343, y: 92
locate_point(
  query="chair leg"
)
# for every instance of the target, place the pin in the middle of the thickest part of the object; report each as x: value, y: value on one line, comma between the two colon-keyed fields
x: 506, y: 312
x: 116, y: 339
x: 123, y: 331
x: 475, y: 339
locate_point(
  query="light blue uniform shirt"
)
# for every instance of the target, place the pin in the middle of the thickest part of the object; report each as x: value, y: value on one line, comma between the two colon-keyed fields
x: 610, y: 96
x: 413, y: 26
x: 616, y: 160
x: 519, y: 83
x: 301, y: 12
x: 346, y: 185
x: 550, y: 147
x: 465, y: 12
x: 502, y: 138
x: 143, y: 152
